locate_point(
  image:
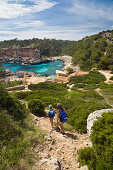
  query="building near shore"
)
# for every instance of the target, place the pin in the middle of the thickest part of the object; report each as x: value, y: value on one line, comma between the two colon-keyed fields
x: 61, y: 77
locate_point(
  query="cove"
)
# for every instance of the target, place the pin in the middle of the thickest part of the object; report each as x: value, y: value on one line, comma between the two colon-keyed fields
x: 44, y: 69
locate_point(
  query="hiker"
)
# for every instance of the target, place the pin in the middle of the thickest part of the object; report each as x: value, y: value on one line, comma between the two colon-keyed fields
x: 51, y: 115
x: 61, y: 117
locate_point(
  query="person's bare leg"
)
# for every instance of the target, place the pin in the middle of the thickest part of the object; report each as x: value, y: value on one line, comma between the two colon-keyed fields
x: 51, y: 120
x: 62, y: 127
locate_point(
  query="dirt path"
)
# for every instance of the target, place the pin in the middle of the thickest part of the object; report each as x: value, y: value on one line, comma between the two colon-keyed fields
x: 100, y: 93
x: 63, y: 147
x: 107, y: 74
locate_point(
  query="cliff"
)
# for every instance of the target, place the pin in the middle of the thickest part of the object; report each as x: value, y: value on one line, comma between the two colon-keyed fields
x: 22, y: 55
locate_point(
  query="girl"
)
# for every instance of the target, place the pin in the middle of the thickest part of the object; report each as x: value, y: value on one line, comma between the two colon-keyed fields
x: 51, y: 115
x: 61, y: 116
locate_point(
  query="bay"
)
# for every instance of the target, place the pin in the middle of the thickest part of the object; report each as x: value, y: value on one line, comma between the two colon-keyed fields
x: 44, y: 69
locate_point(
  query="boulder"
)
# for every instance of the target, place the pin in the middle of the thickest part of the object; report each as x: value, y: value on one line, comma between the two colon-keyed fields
x: 93, y: 117
x: 48, y: 138
x: 84, y: 168
x: 49, y: 164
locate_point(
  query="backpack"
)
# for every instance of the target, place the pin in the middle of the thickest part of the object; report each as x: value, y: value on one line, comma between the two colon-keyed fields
x: 63, y: 116
x: 51, y: 113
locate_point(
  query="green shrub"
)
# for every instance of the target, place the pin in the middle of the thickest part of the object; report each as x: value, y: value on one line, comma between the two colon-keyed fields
x: 111, y: 78
x: 94, y: 77
x: 86, y: 157
x: 77, y: 79
x: 79, y: 104
x: 79, y: 113
x: 36, y: 107
x: 8, y: 128
x: 101, y: 154
x: 103, y: 85
x: 12, y: 105
x: 22, y: 95
x: 91, y: 86
x: 17, y: 142
x: 79, y: 85
x: 111, y: 67
x: 48, y: 86
x: 69, y: 70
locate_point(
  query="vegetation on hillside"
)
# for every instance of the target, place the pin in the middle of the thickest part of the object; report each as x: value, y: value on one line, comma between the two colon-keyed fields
x: 47, y: 47
x: 17, y: 133
x: 2, y: 71
x: 94, y: 77
x: 78, y: 104
x: 36, y: 107
x: 100, y: 156
x: 91, y: 52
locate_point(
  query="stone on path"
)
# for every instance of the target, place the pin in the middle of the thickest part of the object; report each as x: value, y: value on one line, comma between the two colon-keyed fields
x: 84, y: 168
x: 49, y: 164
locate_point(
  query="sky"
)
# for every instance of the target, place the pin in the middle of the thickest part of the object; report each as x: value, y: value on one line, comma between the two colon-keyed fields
x: 59, y: 19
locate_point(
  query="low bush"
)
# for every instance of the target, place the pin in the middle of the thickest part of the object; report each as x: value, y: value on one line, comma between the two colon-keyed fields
x: 22, y: 95
x: 91, y: 86
x: 10, y: 84
x: 12, y: 105
x: 79, y: 113
x: 17, y: 142
x: 94, y: 77
x: 111, y: 78
x: 69, y: 70
x: 87, y: 157
x: 36, y: 107
x: 103, y: 85
x: 9, y: 129
x: 48, y: 86
x: 111, y: 67
x: 79, y: 104
x: 102, y: 140
x: 79, y: 85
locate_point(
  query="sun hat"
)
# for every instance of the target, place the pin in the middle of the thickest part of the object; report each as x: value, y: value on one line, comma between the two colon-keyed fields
x: 50, y: 106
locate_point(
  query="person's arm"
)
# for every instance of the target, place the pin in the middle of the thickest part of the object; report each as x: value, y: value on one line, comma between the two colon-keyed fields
x: 58, y: 117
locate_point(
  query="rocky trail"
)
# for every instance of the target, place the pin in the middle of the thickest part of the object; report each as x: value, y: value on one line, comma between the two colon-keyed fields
x: 59, y: 151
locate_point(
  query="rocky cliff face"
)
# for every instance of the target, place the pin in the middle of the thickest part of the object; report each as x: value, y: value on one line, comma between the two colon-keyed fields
x: 22, y: 55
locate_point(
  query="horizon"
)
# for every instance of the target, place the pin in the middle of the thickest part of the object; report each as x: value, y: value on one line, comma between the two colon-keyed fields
x: 51, y: 19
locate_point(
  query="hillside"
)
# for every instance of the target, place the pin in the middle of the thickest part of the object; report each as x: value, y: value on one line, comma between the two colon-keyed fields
x: 47, y: 47
x: 18, y: 134
x: 20, y: 138
x: 95, y: 51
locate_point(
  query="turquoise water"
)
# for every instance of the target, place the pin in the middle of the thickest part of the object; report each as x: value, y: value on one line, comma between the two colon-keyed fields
x: 44, y: 69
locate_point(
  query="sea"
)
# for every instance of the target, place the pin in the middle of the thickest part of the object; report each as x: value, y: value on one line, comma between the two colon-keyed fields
x: 44, y: 69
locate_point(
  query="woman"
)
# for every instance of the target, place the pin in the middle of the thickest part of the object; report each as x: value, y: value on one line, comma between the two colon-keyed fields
x: 61, y: 117
x: 51, y: 115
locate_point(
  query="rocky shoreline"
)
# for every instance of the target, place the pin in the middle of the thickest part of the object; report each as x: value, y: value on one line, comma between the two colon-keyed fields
x: 67, y: 62
x: 18, y: 75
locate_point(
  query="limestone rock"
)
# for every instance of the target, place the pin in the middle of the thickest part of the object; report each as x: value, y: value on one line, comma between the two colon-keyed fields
x: 23, y: 55
x: 48, y: 138
x: 93, y: 117
x: 84, y: 168
x: 49, y: 164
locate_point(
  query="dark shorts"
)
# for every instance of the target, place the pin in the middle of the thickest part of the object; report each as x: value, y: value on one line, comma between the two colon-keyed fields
x: 63, y: 120
x: 51, y: 116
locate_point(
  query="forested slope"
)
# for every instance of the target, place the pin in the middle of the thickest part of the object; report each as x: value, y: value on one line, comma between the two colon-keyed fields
x: 47, y: 47
x: 94, y: 51
x: 17, y: 133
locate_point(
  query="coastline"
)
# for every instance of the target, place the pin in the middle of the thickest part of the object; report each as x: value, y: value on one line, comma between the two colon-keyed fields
x: 32, y: 76
x: 67, y: 62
